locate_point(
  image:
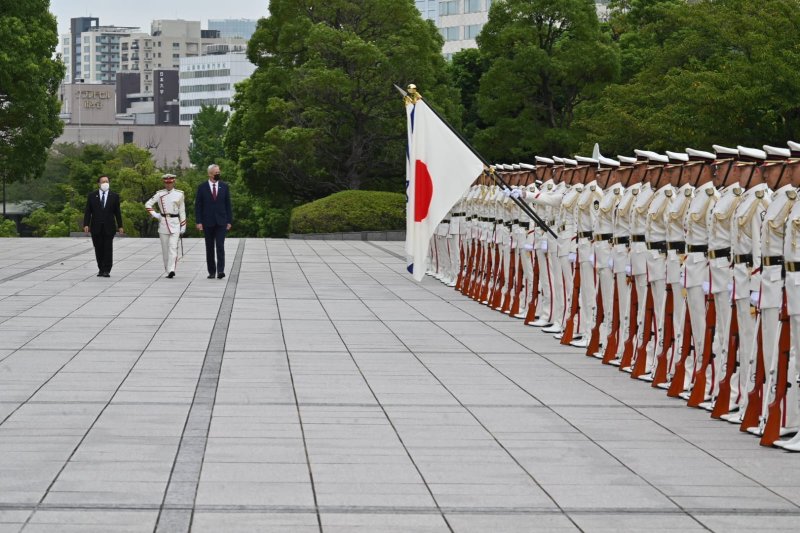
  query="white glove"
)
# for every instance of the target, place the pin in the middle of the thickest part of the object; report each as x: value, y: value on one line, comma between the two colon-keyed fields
x: 611, y: 262
x: 528, y: 247
x: 156, y: 216
x: 628, y: 270
x: 544, y: 245
x: 506, y: 192
x: 591, y: 258
x: 730, y: 287
x: 515, y: 193
x: 572, y: 257
x: 755, y: 297
x: 706, y: 287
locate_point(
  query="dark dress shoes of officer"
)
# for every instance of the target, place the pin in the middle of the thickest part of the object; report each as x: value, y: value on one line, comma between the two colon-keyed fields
x: 210, y: 276
x: 171, y: 275
x: 221, y: 275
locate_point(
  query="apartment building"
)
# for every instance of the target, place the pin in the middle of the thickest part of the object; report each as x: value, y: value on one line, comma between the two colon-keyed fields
x: 234, y: 28
x: 91, y: 52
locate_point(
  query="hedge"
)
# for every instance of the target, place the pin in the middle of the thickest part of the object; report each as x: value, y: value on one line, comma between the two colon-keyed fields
x: 351, y: 211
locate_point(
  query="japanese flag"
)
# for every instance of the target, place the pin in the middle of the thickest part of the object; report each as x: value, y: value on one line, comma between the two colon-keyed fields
x: 440, y: 168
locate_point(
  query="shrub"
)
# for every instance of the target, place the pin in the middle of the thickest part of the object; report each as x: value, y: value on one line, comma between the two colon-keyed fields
x: 351, y: 211
x: 59, y: 229
x: 8, y: 228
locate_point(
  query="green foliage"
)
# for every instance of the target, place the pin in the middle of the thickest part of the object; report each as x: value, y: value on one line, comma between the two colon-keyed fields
x: 545, y: 57
x: 208, y: 131
x: 40, y: 221
x: 8, y: 228
x: 320, y: 114
x: 729, y: 74
x: 29, y: 79
x: 351, y: 211
x: 466, y: 69
x: 59, y: 229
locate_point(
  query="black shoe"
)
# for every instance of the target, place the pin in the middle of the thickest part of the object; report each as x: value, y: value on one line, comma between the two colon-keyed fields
x: 106, y: 275
x: 221, y: 275
x: 171, y: 275
x: 99, y: 274
x: 210, y: 276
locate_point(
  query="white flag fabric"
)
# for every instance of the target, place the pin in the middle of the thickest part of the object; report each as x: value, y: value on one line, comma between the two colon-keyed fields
x: 440, y: 168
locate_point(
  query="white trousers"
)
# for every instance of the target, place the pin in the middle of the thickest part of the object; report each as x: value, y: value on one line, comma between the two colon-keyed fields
x: 169, y: 251
x: 678, y: 317
x: 746, y: 357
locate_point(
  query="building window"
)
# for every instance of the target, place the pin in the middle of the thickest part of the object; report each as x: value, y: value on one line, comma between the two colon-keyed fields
x: 451, y: 33
x: 472, y: 31
x: 127, y: 137
x: 472, y: 6
x: 176, y: 56
x: 176, y: 45
x: 449, y: 8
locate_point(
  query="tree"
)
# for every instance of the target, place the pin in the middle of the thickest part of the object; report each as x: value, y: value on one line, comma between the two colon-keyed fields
x: 466, y: 68
x: 29, y: 79
x: 208, y: 132
x: 729, y: 73
x: 320, y: 114
x: 545, y: 57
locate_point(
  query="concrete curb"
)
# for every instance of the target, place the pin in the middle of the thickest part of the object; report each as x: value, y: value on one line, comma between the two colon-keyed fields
x: 394, y: 235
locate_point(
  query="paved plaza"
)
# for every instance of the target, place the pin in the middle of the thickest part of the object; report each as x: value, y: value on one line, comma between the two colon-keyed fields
x: 319, y: 388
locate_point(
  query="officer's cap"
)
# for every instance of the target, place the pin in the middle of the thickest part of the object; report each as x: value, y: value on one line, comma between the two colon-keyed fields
x: 774, y: 153
x: 794, y: 147
x: 570, y: 162
x: 723, y: 152
x: 700, y: 155
x: 625, y: 160
x: 606, y: 162
x: 751, y: 154
x: 168, y: 177
x: 544, y: 160
x: 526, y: 166
x: 586, y: 160
x: 677, y: 157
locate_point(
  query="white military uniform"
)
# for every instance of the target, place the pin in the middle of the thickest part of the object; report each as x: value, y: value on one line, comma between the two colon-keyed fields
x: 622, y: 264
x: 585, y: 215
x: 638, y: 254
x: 604, y: 231
x: 551, y: 198
x: 170, y: 211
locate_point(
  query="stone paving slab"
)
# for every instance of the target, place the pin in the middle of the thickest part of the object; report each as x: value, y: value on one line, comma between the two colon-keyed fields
x: 319, y: 388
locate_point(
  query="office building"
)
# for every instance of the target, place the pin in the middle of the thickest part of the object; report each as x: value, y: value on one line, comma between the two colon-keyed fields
x: 460, y: 21
x: 211, y: 79
x: 429, y: 9
x: 91, y: 52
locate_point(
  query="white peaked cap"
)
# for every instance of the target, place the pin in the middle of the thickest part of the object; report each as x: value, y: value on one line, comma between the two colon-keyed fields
x: 724, y: 150
x: 643, y: 153
x: 570, y: 162
x: 658, y: 158
x: 677, y: 156
x: 589, y: 160
x: 778, y: 152
x: 607, y: 162
x: 700, y: 154
x: 626, y: 159
x: 545, y: 160
x: 793, y: 146
x: 526, y: 166
x: 559, y: 160
x: 515, y: 166
x: 751, y: 153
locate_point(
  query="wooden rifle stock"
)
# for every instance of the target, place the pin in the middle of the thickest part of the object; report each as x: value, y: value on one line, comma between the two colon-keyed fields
x: 569, y: 327
x: 483, y: 268
x: 519, y: 281
x: 511, y: 285
x: 775, y: 411
x: 463, y: 266
x: 667, y: 339
x: 754, y: 398
x: 699, y: 389
x: 530, y: 316
x: 491, y: 272
x: 496, y: 290
x: 723, y: 404
x: 594, y: 339
x: 472, y: 267
x: 633, y: 326
x: 640, y: 365
x: 613, y: 337
x: 676, y: 386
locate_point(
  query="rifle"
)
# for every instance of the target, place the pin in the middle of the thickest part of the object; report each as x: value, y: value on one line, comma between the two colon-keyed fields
x: 775, y: 411
x: 723, y: 403
x: 687, y: 347
x: 569, y: 327
x: 480, y: 270
x: 594, y: 339
x: 753, y: 412
x: 530, y: 316
x: 633, y: 327
x: 519, y: 281
x: 491, y: 272
x: 699, y: 389
x: 496, y: 292
x: 613, y: 337
x: 668, y: 339
x: 474, y: 267
x: 463, y: 265
x: 640, y: 365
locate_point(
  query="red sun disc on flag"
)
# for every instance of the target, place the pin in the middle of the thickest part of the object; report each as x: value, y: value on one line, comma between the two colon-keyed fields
x: 423, y: 191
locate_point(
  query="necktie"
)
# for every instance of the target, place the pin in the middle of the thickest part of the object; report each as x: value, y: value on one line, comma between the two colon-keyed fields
x: 214, y: 192
x: 104, y: 200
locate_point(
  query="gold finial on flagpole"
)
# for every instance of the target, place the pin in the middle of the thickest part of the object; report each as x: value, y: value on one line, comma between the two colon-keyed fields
x: 412, y: 96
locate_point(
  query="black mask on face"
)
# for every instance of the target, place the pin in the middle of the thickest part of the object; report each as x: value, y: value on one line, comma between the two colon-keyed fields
x: 216, y: 177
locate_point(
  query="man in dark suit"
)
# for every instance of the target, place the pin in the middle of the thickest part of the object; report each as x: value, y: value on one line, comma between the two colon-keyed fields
x: 103, y: 218
x: 213, y: 215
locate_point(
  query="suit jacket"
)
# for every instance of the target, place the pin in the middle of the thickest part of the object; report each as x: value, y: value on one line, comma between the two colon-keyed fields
x: 102, y: 220
x: 210, y: 212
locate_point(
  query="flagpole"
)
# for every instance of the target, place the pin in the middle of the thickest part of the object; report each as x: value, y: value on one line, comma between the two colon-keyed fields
x: 528, y: 210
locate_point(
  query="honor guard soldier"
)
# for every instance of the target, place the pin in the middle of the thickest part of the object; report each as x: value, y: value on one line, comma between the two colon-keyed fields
x: 567, y: 236
x: 171, y: 215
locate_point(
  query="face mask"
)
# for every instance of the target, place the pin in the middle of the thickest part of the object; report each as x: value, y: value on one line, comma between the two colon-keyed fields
x: 216, y: 177
x: 104, y: 187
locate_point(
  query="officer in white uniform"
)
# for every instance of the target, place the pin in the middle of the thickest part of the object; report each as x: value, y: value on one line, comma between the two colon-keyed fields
x: 170, y: 212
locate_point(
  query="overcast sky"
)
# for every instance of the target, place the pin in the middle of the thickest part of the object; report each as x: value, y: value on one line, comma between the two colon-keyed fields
x: 141, y: 12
